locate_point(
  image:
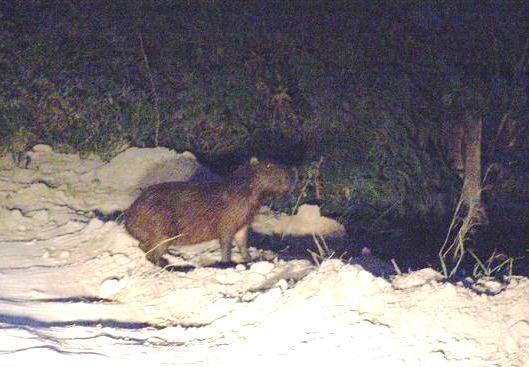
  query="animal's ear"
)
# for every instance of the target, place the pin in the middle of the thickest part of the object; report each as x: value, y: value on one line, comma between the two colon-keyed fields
x: 254, y: 161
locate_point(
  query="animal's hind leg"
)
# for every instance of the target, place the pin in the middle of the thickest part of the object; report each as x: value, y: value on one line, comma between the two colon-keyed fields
x: 225, y: 247
x: 155, y: 253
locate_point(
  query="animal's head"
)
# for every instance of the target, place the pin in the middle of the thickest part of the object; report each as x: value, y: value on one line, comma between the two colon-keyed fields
x: 271, y: 178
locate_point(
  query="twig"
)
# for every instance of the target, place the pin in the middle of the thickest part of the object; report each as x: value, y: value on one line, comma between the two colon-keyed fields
x: 396, y: 267
x: 153, y: 91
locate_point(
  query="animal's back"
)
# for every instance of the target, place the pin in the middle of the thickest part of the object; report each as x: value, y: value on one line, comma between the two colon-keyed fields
x: 173, y: 209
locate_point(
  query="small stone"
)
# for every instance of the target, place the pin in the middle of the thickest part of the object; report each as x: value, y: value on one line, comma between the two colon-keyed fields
x: 109, y: 287
x: 240, y: 267
x: 262, y: 267
x: 42, y: 148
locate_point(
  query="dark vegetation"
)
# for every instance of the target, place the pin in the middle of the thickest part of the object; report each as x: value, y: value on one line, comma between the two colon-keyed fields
x: 370, y: 99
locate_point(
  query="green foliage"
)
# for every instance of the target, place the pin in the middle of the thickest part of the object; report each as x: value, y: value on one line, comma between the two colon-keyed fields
x: 374, y: 168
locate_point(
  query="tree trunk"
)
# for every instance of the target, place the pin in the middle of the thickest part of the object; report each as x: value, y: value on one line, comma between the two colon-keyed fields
x: 471, y: 192
x: 470, y: 211
x: 471, y: 199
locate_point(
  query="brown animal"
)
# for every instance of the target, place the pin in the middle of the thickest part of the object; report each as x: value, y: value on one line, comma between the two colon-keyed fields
x: 182, y: 213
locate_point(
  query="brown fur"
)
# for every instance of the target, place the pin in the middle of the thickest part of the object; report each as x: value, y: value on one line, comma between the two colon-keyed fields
x: 182, y: 213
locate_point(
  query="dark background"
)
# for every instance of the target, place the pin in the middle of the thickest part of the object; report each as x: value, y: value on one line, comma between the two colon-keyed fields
x: 364, y: 97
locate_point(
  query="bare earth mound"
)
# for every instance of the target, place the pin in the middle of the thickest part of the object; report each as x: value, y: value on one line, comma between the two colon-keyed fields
x: 75, y: 290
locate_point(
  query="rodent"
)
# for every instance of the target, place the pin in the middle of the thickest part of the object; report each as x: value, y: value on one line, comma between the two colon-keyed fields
x: 184, y: 213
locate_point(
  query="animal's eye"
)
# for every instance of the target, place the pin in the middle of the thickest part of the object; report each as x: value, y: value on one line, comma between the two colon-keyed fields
x: 268, y: 165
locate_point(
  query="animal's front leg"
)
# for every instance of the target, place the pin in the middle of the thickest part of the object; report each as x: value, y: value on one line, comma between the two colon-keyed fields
x: 225, y: 247
x: 241, y: 238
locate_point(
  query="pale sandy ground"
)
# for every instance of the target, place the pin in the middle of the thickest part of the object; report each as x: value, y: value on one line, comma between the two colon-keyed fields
x: 77, y: 291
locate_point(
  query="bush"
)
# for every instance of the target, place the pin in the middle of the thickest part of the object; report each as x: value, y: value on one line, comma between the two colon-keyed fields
x: 298, y: 83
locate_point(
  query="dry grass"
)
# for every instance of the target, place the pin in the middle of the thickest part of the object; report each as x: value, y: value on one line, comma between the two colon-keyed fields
x: 323, y: 252
x: 462, y: 227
